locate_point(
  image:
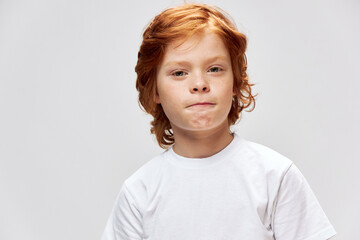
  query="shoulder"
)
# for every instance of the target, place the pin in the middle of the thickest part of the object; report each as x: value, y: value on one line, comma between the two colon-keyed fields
x: 146, y: 172
x: 136, y: 187
x: 265, y: 154
x: 262, y: 158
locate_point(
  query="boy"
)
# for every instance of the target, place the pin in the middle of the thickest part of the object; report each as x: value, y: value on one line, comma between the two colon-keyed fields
x: 210, y: 184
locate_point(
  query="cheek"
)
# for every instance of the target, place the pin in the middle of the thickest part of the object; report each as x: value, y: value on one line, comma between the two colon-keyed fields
x: 171, y: 93
x: 166, y: 96
x: 227, y: 98
x: 227, y: 91
x: 171, y: 110
x: 169, y: 101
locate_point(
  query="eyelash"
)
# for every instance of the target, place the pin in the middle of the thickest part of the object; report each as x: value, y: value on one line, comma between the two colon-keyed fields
x: 219, y: 69
x: 174, y: 73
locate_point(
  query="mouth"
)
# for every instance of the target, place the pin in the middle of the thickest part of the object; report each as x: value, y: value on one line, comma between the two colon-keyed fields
x: 202, y: 104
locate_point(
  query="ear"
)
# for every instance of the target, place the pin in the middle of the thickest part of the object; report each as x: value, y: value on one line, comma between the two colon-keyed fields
x: 234, y: 93
x: 157, y: 98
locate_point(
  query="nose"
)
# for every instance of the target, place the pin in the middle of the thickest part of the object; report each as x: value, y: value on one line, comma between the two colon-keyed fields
x: 199, y: 85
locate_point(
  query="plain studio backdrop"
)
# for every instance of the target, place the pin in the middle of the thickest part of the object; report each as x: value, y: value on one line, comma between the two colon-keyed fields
x: 71, y: 130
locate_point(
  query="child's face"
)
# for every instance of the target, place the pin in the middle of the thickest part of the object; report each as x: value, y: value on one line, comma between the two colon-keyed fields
x: 195, y: 84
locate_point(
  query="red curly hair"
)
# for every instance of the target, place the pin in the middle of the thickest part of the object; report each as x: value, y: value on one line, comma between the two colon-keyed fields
x: 180, y: 23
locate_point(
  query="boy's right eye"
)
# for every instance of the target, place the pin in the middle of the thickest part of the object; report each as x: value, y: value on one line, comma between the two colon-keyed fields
x: 178, y: 73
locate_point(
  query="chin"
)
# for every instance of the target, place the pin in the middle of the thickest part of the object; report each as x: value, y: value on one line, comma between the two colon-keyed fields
x: 207, y: 126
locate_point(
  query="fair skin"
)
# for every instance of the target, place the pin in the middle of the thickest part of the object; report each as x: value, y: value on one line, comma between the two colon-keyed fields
x: 195, y: 90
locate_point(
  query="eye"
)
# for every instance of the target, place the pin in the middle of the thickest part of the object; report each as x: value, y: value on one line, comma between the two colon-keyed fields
x: 215, y: 69
x: 178, y: 73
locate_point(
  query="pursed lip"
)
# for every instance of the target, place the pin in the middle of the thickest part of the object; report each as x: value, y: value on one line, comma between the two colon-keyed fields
x: 202, y: 104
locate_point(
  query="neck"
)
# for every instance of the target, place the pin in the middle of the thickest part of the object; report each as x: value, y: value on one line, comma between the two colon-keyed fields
x: 201, y: 144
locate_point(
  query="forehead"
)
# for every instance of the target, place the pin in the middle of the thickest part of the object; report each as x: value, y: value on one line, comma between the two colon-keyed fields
x: 201, y: 44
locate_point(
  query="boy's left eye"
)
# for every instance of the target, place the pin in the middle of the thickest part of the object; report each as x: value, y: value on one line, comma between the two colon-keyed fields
x: 215, y: 69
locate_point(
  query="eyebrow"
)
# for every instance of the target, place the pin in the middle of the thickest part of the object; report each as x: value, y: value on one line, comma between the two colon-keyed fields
x: 212, y: 59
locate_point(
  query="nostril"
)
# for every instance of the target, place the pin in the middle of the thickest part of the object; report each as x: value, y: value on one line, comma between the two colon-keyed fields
x: 204, y: 89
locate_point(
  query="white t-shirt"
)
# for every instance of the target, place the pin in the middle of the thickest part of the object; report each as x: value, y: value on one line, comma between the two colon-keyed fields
x: 246, y: 191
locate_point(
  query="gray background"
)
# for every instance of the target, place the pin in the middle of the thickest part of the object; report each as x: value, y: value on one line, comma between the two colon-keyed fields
x: 71, y: 131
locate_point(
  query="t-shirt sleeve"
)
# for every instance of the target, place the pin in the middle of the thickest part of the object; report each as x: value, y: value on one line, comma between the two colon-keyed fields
x: 298, y: 214
x: 125, y: 221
